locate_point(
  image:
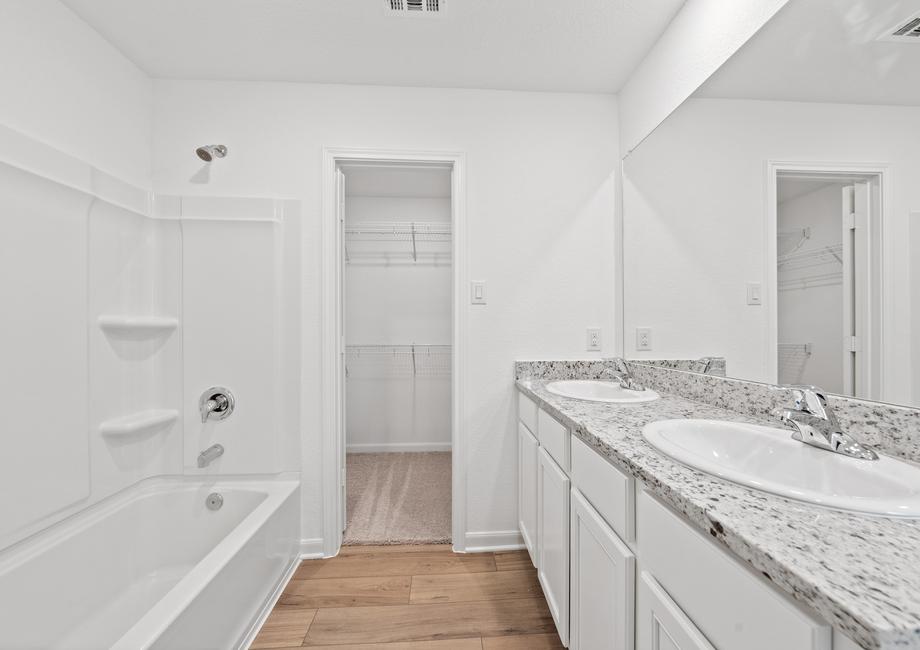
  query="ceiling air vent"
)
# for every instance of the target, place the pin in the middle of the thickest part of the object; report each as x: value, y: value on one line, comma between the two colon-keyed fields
x: 906, y: 31
x: 414, y: 7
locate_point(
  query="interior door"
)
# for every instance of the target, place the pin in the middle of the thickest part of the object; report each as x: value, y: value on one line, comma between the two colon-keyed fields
x: 342, y: 372
x: 856, y: 276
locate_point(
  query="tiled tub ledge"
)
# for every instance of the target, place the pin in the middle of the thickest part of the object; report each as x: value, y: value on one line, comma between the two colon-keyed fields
x: 860, y: 573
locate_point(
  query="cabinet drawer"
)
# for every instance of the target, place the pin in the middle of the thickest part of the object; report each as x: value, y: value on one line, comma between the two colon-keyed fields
x: 610, y: 491
x: 527, y: 412
x: 554, y: 437
x: 731, y: 605
x: 661, y: 625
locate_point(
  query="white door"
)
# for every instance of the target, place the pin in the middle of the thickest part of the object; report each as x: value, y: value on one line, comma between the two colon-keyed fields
x: 527, y: 489
x: 660, y: 623
x: 857, y: 205
x: 553, y: 540
x: 342, y: 371
x: 603, y: 578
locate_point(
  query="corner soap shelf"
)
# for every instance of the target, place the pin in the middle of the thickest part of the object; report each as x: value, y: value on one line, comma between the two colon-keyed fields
x: 138, y: 423
x: 142, y: 325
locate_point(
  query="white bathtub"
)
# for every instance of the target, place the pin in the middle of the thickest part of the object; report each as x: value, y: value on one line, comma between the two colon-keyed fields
x: 153, y: 568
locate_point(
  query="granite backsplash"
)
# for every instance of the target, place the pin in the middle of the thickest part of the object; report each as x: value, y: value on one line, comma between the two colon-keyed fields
x: 892, y: 429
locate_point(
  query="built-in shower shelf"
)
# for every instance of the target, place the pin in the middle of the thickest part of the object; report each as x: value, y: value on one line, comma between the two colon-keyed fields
x: 137, y: 325
x: 139, y: 423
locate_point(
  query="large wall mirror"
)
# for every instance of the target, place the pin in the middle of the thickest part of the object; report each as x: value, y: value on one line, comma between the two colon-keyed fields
x: 774, y: 218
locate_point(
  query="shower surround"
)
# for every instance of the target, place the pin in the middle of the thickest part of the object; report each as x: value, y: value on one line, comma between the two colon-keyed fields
x: 129, y: 305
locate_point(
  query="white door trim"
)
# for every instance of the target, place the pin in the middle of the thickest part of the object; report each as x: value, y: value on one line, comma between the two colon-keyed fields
x: 880, y: 290
x: 333, y: 438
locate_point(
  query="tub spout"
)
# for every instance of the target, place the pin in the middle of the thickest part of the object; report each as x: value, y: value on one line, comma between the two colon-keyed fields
x: 210, y: 454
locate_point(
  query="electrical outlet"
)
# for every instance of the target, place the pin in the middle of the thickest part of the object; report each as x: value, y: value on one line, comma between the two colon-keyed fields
x: 643, y: 338
x: 594, y: 339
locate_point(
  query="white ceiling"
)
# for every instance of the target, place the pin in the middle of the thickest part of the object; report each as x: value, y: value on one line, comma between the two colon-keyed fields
x: 825, y: 51
x: 548, y: 45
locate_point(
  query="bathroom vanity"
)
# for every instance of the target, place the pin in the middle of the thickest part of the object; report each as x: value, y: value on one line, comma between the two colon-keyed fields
x: 636, y: 550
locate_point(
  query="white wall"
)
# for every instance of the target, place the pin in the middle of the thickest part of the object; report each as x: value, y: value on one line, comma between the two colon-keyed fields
x: 694, y: 209
x: 701, y: 37
x: 812, y: 314
x: 540, y: 200
x: 391, y: 299
x: 64, y: 85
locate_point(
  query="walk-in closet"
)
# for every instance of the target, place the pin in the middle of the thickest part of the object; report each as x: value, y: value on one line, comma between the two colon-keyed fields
x: 398, y: 324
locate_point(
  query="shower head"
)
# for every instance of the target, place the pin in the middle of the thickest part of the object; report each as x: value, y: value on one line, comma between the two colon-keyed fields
x: 211, y: 151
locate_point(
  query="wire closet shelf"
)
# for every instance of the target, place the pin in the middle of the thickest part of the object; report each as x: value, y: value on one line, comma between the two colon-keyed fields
x: 392, y: 241
x: 407, y: 360
x: 805, y: 269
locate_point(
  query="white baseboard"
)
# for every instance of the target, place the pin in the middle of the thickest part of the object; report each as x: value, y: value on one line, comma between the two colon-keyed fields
x: 269, y: 605
x: 499, y: 540
x: 311, y: 549
x: 374, y: 448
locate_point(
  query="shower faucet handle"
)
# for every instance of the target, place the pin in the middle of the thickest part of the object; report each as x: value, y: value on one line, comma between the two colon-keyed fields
x: 216, y: 403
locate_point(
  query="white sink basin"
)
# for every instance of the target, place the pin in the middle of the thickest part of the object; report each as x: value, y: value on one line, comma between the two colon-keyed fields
x: 766, y: 458
x: 599, y: 391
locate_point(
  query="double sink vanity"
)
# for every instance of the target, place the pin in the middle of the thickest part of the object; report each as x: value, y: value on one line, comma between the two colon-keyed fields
x: 659, y: 519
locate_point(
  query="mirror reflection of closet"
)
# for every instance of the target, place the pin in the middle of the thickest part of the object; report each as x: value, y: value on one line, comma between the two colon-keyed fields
x: 772, y: 219
x: 823, y: 275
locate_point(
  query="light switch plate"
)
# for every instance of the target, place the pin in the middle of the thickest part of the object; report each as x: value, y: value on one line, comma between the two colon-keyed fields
x: 478, y: 293
x: 594, y: 339
x: 643, y: 338
x: 754, y: 293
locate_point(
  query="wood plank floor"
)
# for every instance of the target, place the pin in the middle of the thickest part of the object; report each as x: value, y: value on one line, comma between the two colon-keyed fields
x: 412, y: 598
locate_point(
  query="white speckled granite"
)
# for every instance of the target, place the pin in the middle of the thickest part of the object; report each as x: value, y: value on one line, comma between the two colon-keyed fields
x: 894, y: 430
x: 862, y: 574
x: 716, y: 368
x: 556, y: 370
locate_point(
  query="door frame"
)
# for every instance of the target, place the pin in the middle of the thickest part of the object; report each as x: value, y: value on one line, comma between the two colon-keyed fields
x: 880, y: 296
x: 332, y: 399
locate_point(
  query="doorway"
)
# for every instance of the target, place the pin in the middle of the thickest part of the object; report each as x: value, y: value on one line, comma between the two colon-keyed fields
x: 393, y: 232
x: 827, y: 242
x: 397, y: 326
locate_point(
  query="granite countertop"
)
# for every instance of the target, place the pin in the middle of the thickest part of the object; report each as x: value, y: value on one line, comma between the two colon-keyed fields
x: 860, y: 573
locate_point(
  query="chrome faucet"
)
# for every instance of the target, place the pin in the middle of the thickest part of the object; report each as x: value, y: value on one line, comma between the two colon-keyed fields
x: 216, y: 403
x: 705, y: 364
x: 814, y: 423
x: 209, y: 455
x: 623, y: 374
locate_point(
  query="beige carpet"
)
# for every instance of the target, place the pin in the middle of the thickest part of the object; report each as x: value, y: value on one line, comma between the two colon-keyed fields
x: 398, y: 498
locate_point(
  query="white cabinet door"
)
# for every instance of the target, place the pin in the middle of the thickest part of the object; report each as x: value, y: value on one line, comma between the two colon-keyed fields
x: 553, y: 540
x: 527, y: 489
x: 603, y: 572
x: 660, y: 623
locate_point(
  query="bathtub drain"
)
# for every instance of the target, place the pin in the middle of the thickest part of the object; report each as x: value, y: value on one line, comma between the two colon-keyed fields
x: 214, y: 501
